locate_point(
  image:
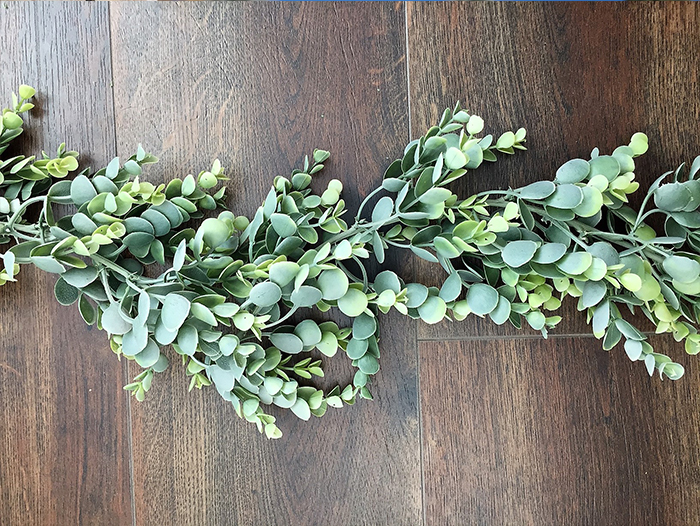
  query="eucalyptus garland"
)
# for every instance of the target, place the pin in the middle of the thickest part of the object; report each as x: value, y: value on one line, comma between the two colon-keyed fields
x: 233, y: 301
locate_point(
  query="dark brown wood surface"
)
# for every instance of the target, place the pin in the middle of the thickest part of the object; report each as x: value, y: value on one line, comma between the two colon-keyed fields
x: 471, y: 423
x: 548, y: 432
x: 64, y: 441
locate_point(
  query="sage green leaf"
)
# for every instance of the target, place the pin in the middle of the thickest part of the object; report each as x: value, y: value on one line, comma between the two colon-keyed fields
x: 537, y: 191
x: 283, y: 272
x: 416, y: 294
x: 387, y: 280
x: 575, y: 263
x: 65, y: 294
x: 682, y: 269
x: 445, y: 248
x: 283, y: 225
x: 383, y: 210
x: 593, y: 293
x: 673, y: 197
x: 573, y: 171
x: 48, y: 264
x: 673, y: 371
x: 591, y: 204
x: 306, y: 296
x: 134, y: 341
x: 566, y: 196
x: 113, y: 320
x: 80, y: 277
x: 517, y: 253
x: 87, y: 310
x: 601, y: 319
x: 526, y: 215
x: 364, y: 326
x: 82, y: 190
x: 501, y: 313
x: 353, y: 303
x: 265, y: 294
x: 432, y: 310
x: 228, y: 344
x: 628, y: 330
x: 435, y: 195
x: 162, y: 335
x: 161, y: 225
x: 215, y: 232
x: 634, y: 349
x: 137, y: 224
x: 287, y: 342
x: 188, y: 339
x: 605, y: 251
x: 536, y: 320
x: 301, y: 409
x: 423, y: 254
x: 343, y: 250
x: 451, y: 288
x: 202, y: 313
x: 454, y: 158
x: 273, y: 384
x: 139, y: 243
x: 356, y: 349
x: 328, y: 344
x: 83, y: 224
x: 179, y: 257
x: 243, y: 321
x: 482, y: 299
x: 606, y: 165
x: 176, y: 308
x: 333, y: 284
x: 368, y: 364
x: 549, y: 253
x: 309, y: 333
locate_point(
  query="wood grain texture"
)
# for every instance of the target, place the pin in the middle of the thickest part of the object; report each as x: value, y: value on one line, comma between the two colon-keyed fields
x: 575, y: 75
x: 555, y: 432
x: 64, y: 449
x: 259, y: 86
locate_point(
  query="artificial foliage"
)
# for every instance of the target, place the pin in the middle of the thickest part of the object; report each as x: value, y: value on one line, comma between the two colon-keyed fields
x: 234, y: 298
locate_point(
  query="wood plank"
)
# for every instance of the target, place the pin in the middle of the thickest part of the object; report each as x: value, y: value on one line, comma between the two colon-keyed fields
x: 556, y: 432
x: 575, y: 75
x: 259, y: 86
x: 64, y: 449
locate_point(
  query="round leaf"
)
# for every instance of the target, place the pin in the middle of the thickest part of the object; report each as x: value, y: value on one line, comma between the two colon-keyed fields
x: 176, y: 308
x: 482, y: 299
x: 680, y: 268
x: 433, y: 310
x: 333, y: 284
x: 265, y: 294
x: 353, y: 303
x: 517, y: 253
x: 573, y: 171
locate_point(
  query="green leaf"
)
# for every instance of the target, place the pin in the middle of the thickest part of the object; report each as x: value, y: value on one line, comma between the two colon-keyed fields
x: 65, y: 294
x: 353, y: 303
x: 536, y: 320
x: 356, y: 349
x: 283, y: 272
x: 328, y: 344
x: 287, y: 343
x: 606, y: 165
x: 333, y: 284
x: 215, y: 232
x: 593, y: 293
x: 575, y: 263
x: 283, y: 225
x: 416, y: 294
x: 368, y: 364
x: 537, y: 191
x: 301, y: 409
x: 306, y: 296
x: 149, y: 356
x: 435, y: 196
x: 265, y: 294
x: 549, y: 253
x: 387, y: 280
x: 82, y: 190
x: 364, y: 326
x: 682, y: 269
x: 517, y: 253
x: 454, y: 158
x: 573, y: 171
x: 501, y: 313
x: 482, y: 299
x: 451, y: 288
x: 445, y: 248
x: 566, y: 196
x: 80, y: 277
x: 113, y: 320
x: 87, y: 310
x: 591, y: 204
x: 176, y: 308
x: 188, y: 339
x: 383, y: 210
x: 433, y: 310
x: 309, y: 333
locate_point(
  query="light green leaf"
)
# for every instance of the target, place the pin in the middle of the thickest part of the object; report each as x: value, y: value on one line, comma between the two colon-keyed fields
x: 176, y: 308
x: 265, y: 294
x: 433, y: 310
x: 482, y: 299
x: 287, y: 342
x: 353, y: 303
x: 573, y: 171
x: 333, y: 284
x: 283, y: 225
x: 517, y: 253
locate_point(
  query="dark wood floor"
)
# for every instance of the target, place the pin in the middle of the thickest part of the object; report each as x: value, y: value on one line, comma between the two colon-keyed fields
x: 472, y: 423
